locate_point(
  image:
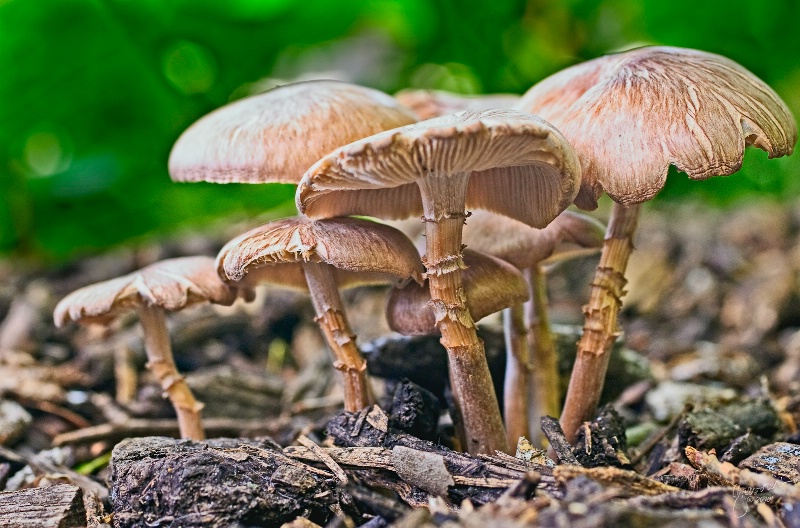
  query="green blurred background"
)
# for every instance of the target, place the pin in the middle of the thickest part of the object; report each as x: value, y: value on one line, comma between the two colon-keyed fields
x: 93, y: 93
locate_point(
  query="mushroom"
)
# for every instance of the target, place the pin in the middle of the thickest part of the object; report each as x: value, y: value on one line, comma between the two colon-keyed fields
x: 505, y: 161
x: 325, y: 256
x: 273, y: 137
x: 491, y: 285
x: 166, y: 286
x: 529, y: 340
x: 436, y: 103
x: 630, y: 116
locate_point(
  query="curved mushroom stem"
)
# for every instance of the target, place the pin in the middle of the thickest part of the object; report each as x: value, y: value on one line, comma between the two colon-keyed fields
x: 600, y: 325
x: 516, y: 384
x: 478, y: 413
x: 161, y: 363
x: 333, y: 322
x: 546, y: 383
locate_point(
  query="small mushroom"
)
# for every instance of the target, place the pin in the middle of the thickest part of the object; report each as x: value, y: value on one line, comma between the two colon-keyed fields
x: 273, y: 137
x: 630, y: 116
x: 490, y: 284
x: 530, y: 348
x: 325, y: 255
x: 509, y: 162
x: 166, y: 286
x: 436, y: 103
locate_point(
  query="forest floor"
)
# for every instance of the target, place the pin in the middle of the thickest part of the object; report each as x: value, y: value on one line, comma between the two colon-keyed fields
x: 699, y: 427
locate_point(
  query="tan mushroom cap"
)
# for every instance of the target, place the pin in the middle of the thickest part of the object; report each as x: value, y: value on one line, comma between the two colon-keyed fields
x: 523, y: 246
x: 553, y: 97
x: 632, y: 115
x: 273, y: 137
x: 490, y: 283
x: 362, y: 251
x: 521, y: 167
x: 170, y: 284
x: 428, y: 104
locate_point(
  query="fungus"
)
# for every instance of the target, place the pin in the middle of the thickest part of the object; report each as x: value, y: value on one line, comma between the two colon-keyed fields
x: 505, y: 161
x: 630, y: 116
x: 324, y: 256
x: 530, y: 349
x: 490, y: 285
x: 428, y: 104
x: 166, y: 286
x: 273, y: 137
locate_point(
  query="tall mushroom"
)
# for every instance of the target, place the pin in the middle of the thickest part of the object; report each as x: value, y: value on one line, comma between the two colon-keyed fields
x: 505, y: 161
x: 273, y: 137
x: 530, y: 349
x: 325, y: 255
x: 630, y: 116
x: 166, y: 286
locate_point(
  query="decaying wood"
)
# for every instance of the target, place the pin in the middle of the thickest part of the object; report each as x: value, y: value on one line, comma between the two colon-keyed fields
x: 602, y: 442
x: 216, y: 483
x: 628, y: 483
x: 781, y: 460
x: 58, y: 506
x: 732, y: 476
x: 430, y: 469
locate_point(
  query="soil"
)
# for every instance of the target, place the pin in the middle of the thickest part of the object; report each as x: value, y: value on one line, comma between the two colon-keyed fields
x: 698, y: 425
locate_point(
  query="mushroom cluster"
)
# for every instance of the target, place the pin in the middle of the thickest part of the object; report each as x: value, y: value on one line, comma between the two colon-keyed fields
x: 492, y: 173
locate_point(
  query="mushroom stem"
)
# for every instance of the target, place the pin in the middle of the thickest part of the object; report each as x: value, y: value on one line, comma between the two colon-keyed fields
x: 333, y: 322
x: 160, y: 361
x: 515, y: 393
x: 444, y: 201
x: 600, y: 324
x: 546, y: 396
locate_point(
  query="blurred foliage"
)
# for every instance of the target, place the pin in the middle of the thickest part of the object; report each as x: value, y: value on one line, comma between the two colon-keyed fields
x: 94, y: 92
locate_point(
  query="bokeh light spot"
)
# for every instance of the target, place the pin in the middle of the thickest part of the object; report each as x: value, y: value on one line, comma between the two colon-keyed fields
x: 452, y: 77
x: 46, y: 153
x: 189, y: 67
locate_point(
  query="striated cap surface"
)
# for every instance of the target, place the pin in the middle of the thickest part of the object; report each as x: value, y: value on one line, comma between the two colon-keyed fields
x: 170, y: 284
x: 275, y: 136
x: 520, y: 166
x: 364, y: 252
x: 632, y: 115
x: 524, y: 246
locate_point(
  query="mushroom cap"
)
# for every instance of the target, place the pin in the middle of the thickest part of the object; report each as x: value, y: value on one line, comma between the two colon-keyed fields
x: 490, y: 284
x: 434, y: 103
x: 273, y: 137
x: 632, y: 115
x: 170, y: 284
x: 569, y: 235
x: 362, y: 251
x: 520, y: 166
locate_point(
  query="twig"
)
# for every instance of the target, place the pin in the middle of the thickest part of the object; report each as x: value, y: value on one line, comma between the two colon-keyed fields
x: 42, y: 466
x: 381, y: 458
x: 558, y: 441
x: 159, y: 427
x: 325, y: 458
x: 52, y: 408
